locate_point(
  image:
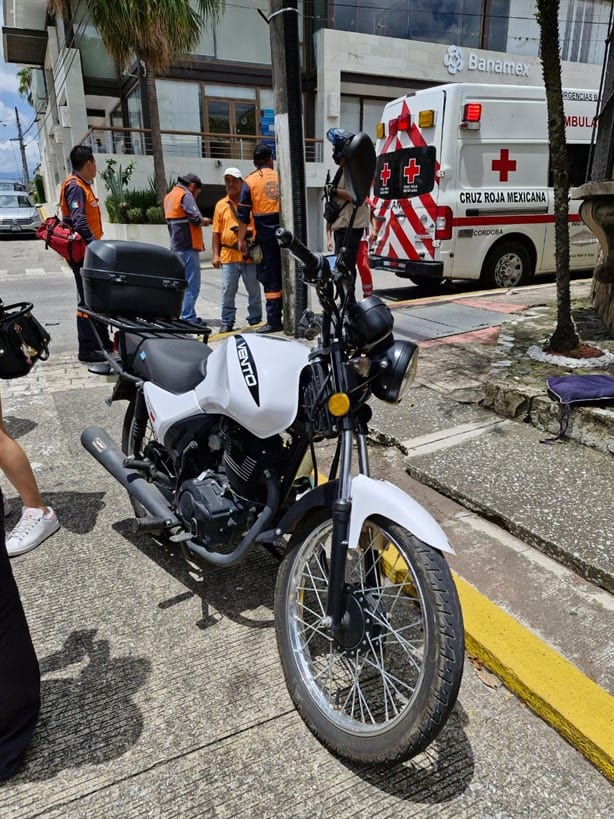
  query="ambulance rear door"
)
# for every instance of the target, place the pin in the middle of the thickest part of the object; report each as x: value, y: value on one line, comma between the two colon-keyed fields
x: 406, y: 186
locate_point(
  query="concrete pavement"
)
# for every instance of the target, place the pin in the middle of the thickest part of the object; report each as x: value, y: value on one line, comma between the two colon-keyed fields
x: 162, y: 689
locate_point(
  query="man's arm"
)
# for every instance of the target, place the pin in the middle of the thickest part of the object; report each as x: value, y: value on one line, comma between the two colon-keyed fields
x: 188, y: 203
x: 75, y: 202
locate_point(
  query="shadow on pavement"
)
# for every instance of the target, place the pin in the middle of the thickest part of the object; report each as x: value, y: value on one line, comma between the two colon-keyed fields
x: 87, y: 715
x: 239, y: 592
x: 439, y: 774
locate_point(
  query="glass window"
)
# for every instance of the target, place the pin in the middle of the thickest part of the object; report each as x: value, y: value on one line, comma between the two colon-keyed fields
x: 179, y: 104
x: 95, y: 59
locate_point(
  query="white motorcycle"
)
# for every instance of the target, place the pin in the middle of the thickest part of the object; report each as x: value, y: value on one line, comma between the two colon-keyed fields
x: 219, y: 455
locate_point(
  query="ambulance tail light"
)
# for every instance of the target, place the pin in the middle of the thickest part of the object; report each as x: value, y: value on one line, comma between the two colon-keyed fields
x: 472, y: 114
x: 393, y: 126
x: 443, y: 223
x: 404, y: 121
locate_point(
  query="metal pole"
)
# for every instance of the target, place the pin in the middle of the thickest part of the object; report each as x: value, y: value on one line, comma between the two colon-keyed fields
x: 22, y: 148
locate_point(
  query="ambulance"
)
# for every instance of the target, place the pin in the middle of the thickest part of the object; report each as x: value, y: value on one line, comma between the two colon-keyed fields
x: 463, y: 189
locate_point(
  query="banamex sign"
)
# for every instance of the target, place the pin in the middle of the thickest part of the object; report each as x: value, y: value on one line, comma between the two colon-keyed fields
x: 456, y: 61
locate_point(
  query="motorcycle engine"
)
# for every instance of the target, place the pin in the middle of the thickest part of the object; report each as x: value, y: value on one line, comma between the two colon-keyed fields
x: 245, y: 458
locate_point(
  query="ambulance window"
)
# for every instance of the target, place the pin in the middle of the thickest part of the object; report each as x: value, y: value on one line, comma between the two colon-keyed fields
x: 406, y: 173
x: 577, y: 164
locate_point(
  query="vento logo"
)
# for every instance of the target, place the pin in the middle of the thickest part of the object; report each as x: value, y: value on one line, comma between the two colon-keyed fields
x: 454, y: 59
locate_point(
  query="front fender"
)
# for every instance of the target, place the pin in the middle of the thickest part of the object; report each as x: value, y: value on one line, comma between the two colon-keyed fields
x: 370, y: 497
x: 376, y: 497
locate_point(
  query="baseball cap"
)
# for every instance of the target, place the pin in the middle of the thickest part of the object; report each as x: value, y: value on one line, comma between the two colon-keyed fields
x: 233, y: 172
x: 262, y: 152
x: 187, y: 178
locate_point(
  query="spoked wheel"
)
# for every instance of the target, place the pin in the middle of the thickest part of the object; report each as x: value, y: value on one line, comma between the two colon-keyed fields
x: 380, y: 690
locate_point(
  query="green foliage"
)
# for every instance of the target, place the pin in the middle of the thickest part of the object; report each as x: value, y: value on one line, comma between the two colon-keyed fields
x: 135, y: 216
x: 155, y: 215
x: 39, y: 189
x: 116, y: 178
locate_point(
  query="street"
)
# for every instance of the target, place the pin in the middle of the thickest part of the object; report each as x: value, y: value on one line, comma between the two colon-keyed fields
x: 162, y: 691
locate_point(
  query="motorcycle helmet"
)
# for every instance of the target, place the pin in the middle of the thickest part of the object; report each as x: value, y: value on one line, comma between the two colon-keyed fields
x: 340, y: 139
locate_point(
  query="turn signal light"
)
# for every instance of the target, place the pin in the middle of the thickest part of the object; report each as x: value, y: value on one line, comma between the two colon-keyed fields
x: 338, y: 404
x: 426, y: 119
x: 380, y: 130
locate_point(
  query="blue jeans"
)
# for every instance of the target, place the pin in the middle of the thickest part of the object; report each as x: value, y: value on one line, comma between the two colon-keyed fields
x: 192, y: 274
x: 231, y: 273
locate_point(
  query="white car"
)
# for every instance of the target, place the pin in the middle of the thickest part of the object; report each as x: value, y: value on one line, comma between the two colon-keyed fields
x: 18, y: 213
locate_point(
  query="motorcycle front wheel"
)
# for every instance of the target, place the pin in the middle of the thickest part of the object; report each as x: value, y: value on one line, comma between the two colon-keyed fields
x: 380, y: 690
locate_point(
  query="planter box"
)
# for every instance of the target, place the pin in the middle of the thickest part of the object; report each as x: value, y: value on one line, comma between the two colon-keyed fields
x: 151, y: 234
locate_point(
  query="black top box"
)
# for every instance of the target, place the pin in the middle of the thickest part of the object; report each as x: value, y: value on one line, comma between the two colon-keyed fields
x: 133, y: 279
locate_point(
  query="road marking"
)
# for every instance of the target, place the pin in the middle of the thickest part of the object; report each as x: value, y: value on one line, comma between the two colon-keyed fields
x: 580, y: 710
x: 445, y: 438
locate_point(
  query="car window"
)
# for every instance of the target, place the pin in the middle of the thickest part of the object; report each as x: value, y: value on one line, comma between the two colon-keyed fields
x: 15, y: 200
x: 11, y: 186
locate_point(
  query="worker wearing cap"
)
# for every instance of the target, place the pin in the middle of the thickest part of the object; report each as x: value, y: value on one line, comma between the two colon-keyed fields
x: 260, y: 199
x: 185, y: 223
x: 226, y: 254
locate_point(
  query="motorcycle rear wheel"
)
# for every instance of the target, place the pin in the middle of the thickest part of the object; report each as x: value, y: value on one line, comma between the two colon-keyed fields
x: 134, y: 447
x: 381, y: 692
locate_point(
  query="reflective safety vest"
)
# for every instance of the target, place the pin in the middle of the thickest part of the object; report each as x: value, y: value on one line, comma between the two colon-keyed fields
x: 185, y: 235
x: 263, y: 185
x: 92, y: 210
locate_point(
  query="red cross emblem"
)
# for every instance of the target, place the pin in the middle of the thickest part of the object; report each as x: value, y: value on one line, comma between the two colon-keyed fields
x: 385, y: 174
x: 411, y: 171
x: 503, y: 165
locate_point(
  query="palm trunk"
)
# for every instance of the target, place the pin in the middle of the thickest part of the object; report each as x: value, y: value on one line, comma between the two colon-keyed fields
x: 156, y: 137
x: 565, y: 337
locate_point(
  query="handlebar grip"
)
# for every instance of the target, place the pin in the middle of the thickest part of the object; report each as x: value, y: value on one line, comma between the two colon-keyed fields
x: 298, y: 249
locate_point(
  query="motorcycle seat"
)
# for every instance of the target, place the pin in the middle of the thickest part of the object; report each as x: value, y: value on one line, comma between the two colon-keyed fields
x: 175, y: 363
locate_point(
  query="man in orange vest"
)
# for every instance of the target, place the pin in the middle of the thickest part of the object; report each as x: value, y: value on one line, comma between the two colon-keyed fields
x: 80, y: 211
x: 260, y: 199
x: 185, y: 223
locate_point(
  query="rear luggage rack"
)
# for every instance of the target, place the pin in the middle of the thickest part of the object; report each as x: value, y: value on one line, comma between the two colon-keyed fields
x: 151, y: 326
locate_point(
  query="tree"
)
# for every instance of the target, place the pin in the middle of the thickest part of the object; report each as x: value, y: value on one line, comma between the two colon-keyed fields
x: 565, y: 337
x: 155, y: 32
x: 24, y: 90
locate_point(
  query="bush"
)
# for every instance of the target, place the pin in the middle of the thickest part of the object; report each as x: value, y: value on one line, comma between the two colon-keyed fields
x: 135, y: 216
x: 155, y: 215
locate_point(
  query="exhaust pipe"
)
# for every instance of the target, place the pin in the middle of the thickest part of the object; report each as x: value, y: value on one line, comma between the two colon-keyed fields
x: 102, y: 447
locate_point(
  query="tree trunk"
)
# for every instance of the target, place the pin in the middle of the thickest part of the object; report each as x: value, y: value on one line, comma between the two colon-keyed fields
x: 156, y: 138
x: 565, y: 337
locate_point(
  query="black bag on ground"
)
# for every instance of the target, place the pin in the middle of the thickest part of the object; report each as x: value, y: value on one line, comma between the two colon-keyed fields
x: 23, y: 340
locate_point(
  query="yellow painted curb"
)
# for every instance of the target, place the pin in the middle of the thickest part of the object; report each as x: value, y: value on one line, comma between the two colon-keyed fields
x: 575, y: 706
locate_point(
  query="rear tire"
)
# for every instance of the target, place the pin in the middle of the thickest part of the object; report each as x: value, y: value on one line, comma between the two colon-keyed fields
x: 382, y: 690
x: 507, y: 265
x: 427, y: 284
x: 132, y: 447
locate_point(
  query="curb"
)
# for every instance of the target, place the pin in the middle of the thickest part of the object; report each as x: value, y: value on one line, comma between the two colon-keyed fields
x: 575, y: 706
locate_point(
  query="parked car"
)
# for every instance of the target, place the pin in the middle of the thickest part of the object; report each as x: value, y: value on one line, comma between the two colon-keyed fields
x: 11, y: 185
x: 18, y: 214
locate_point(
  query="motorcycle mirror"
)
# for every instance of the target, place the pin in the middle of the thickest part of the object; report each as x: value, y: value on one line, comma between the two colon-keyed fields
x: 360, y: 166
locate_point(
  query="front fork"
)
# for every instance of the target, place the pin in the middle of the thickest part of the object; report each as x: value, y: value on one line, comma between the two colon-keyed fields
x: 336, y: 618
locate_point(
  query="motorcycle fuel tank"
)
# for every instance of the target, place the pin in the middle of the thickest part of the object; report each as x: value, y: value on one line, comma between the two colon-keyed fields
x: 255, y: 380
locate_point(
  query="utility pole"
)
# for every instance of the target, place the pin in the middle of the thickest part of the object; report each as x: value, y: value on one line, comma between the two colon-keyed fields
x: 285, y: 58
x: 22, y: 148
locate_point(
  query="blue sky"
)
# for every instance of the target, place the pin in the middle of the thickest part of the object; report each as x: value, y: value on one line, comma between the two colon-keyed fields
x: 10, y: 157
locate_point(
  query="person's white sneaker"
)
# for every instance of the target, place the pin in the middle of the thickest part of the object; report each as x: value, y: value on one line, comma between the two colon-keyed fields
x: 34, y: 526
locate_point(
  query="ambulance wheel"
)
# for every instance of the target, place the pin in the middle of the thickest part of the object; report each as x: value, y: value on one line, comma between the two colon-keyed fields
x: 507, y: 265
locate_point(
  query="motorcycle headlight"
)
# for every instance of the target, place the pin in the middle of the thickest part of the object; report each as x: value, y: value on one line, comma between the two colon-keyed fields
x: 397, y: 365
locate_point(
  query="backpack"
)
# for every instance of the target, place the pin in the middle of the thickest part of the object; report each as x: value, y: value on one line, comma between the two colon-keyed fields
x: 332, y: 209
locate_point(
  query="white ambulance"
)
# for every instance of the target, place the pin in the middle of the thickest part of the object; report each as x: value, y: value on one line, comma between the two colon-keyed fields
x: 462, y: 186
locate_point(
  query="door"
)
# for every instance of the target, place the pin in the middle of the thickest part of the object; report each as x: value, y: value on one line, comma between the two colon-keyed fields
x: 227, y: 121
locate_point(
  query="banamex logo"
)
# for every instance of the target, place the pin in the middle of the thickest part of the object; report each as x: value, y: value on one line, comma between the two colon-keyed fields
x: 454, y: 59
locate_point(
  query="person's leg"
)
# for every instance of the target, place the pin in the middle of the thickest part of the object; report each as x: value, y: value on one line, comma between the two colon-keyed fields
x: 254, y: 293
x: 269, y: 275
x: 38, y: 521
x: 89, y: 345
x: 362, y: 263
x: 192, y: 273
x: 19, y: 672
x: 230, y: 285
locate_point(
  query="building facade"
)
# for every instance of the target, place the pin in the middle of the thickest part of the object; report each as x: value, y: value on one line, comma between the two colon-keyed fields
x: 218, y: 101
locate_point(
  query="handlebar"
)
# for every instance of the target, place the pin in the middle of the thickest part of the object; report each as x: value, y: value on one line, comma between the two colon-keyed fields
x: 315, y: 263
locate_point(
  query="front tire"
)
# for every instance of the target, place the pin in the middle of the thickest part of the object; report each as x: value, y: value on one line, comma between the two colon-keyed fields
x: 381, y: 692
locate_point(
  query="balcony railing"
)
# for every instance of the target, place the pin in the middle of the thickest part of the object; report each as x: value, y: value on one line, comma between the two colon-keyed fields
x: 201, y: 144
